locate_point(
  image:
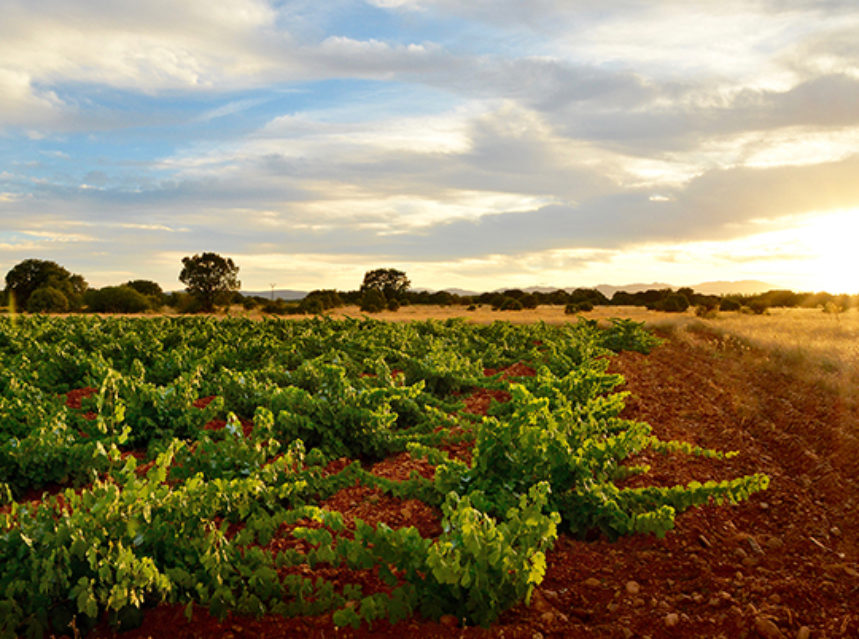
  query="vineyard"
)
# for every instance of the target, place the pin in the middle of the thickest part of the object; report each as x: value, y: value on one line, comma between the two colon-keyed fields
x: 213, y: 465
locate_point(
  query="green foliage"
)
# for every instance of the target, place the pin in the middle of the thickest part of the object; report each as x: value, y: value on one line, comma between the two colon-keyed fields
x: 30, y: 275
x: 480, y: 566
x: 508, y: 304
x: 47, y: 299
x: 578, y: 307
x: 220, y: 485
x: 390, y: 282
x: 117, y: 299
x: 209, y: 278
x: 373, y: 301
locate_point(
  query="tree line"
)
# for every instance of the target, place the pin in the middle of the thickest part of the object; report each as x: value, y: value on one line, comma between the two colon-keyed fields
x: 211, y: 281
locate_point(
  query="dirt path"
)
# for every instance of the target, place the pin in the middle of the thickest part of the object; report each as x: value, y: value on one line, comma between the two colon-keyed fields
x: 781, y: 563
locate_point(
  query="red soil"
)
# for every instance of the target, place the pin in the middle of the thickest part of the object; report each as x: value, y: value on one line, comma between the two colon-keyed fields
x: 783, y: 560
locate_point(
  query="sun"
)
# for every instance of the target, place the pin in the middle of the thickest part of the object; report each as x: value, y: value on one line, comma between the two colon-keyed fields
x: 831, y: 241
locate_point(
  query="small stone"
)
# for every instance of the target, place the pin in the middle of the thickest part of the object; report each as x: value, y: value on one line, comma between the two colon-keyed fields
x: 803, y: 633
x: 697, y: 597
x: 774, y: 543
x: 750, y: 562
x: 671, y: 619
x: 448, y: 620
x: 627, y: 633
x: 740, y: 553
x: 638, y: 602
x: 835, y: 531
x: 539, y: 602
x: 775, y: 598
x: 592, y: 582
x: 548, y: 617
x: 632, y: 587
x: 767, y: 629
x: 755, y: 546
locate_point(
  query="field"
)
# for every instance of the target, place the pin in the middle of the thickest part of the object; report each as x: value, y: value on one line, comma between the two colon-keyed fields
x: 149, y: 465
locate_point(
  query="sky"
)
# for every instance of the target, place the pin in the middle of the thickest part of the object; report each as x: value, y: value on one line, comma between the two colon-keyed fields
x: 478, y: 145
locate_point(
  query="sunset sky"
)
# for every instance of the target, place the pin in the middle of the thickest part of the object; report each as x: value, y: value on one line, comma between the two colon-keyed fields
x: 474, y: 144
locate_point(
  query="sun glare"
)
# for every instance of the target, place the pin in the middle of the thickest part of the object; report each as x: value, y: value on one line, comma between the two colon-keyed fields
x: 833, y: 251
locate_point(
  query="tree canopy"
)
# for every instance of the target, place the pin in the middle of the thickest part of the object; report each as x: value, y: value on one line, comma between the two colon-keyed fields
x: 389, y: 281
x: 26, y: 277
x: 209, y: 278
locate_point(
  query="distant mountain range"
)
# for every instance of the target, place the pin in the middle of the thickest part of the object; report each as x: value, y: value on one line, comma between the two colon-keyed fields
x: 743, y: 287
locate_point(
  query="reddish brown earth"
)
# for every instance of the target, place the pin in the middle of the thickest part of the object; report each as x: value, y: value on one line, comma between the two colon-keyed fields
x: 775, y: 565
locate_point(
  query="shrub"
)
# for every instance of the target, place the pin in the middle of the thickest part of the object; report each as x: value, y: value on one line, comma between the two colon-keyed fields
x: 155, y: 297
x: 511, y: 304
x: 117, y: 299
x: 373, y: 301
x: 729, y: 305
x: 313, y: 306
x: 706, y: 311
x: 393, y: 305
x: 279, y: 307
x: 529, y: 301
x: 578, y: 307
x: 47, y: 299
x: 674, y: 303
x: 249, y: 303
x: 758, y: 307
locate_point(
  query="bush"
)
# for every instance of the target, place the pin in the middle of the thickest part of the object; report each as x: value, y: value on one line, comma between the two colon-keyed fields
x: 758, y: 307
x: 729, y: 305
x: 249, y: 303
x: 281, y: 307
x: 155, y: 297
x: 313, y: 306
x: 511, y: 304
x: 118, y: 299
x: 373, y: 301
x: 47, y: 299
x: 393, y: 305
x: 674, y: 303
x: 578, y: 307
x: 529, y: 301
x: 706, y: 311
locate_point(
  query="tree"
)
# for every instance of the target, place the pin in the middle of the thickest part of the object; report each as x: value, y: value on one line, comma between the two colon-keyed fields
x: 146, y: 287
x: 47, y: 299
x: 30, y: 275
x: 388, y: 281
x: 209, y: 278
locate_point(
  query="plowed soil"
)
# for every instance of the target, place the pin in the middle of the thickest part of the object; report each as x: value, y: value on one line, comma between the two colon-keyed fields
x: 782, y: 564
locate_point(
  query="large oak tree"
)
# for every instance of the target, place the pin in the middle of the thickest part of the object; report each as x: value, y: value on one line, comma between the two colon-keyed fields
x: 209, y: 278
